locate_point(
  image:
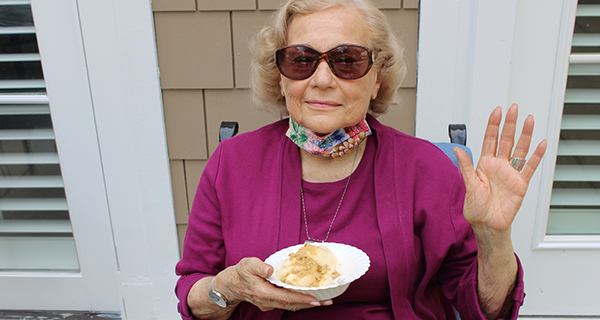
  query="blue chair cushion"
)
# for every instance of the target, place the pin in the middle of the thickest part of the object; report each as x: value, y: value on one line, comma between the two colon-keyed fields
x: 448, y: 149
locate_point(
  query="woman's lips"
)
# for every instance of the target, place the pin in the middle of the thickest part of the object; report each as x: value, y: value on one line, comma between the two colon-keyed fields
x: 323, y: 104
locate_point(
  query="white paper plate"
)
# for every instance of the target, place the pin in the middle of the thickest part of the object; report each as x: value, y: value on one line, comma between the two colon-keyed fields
x: 352, y: 264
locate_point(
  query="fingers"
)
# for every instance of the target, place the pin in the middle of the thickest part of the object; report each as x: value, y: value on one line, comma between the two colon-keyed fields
x: 490, y: 139
x: 506, y: 142
x: 534, y: 161
x: 524, y: 142
x: 251, y: 285
x: 507, y: 139
x: 278, y: 298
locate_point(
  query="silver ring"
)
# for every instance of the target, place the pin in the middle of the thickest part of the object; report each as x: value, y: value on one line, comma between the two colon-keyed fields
x: 517, y: 163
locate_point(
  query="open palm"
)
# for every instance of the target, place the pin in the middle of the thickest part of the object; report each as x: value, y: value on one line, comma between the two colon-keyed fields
x: 495, y: 190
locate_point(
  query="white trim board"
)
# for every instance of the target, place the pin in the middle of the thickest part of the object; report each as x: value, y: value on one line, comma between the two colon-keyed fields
x: 465, y: 50
x: 123, y: 69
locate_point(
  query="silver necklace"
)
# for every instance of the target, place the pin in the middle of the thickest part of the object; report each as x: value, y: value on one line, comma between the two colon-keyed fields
x: 309, y: 239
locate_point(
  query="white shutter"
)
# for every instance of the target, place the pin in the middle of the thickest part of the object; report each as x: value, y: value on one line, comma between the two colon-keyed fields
x: 35, y: 229
x: 575, y: 202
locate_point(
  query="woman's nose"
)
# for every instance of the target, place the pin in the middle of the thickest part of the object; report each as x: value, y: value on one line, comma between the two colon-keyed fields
x: 323, y: 76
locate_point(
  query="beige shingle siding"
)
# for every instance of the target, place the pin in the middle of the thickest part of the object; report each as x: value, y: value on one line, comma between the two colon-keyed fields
x: 184, y: 122
x: 173, y: 5
x: 244, y: 25
x: 228, y: 5
x: 194, y: 49
x: 204, y: 69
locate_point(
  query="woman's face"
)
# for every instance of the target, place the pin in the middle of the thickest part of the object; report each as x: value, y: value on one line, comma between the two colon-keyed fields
x: 323, y: 102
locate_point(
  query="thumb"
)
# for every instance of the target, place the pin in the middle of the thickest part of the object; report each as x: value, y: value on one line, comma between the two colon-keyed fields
x: 261, y: 268
x: 255, y: 267
x: 267, y: 270
x: 465, y: 164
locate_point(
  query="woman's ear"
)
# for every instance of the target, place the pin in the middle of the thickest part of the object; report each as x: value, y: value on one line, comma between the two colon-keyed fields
x: 281, y: 87
x: 377, y: 86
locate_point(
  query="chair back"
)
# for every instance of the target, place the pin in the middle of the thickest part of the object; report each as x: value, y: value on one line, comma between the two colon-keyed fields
x: 448, y: 149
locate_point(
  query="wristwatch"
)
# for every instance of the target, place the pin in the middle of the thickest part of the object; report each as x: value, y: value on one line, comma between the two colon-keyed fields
x: 217, y: 297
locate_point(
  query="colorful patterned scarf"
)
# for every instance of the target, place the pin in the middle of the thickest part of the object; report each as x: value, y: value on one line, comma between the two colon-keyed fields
x: 335, y: 144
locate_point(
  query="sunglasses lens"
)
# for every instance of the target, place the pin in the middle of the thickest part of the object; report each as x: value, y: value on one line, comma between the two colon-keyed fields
x: 346, y: 61
x: 350, y: 62
x: 297, y: 62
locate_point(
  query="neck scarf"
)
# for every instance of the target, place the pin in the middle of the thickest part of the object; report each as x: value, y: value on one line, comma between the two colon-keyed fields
x: 335, y: 144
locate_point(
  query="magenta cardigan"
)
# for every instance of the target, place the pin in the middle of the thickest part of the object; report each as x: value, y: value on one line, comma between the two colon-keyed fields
x: 248, y: 205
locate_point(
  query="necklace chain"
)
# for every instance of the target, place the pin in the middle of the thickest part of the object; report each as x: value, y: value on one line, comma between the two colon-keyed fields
x: 309, y: 239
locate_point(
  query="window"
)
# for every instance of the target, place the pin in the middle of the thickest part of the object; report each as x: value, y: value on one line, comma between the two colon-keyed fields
x: 575, y: 202
x: 35, y: 229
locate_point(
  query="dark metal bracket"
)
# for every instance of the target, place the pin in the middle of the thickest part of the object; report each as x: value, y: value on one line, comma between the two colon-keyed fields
x: 458, y: 133
x: 228, y: 129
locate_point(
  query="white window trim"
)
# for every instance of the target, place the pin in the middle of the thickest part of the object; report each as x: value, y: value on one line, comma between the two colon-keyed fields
x: 541, y: 240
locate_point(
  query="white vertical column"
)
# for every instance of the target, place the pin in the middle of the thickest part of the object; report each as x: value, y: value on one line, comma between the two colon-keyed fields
x: 123, y: 69
x: 464, y: 65
x: 437, y: 63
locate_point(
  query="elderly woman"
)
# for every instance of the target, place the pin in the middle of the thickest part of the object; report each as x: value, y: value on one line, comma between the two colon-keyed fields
x: 332, y: 172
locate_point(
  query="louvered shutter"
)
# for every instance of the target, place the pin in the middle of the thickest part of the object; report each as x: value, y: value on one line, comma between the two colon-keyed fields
x: 575, y: 202
x: 35, y: 230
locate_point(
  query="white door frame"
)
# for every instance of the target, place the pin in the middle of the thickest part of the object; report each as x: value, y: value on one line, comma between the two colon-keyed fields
x: 475, y: 55
x: 100, y: 63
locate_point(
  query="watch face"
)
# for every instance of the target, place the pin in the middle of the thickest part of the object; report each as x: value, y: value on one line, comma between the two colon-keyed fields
x: 217, y: 298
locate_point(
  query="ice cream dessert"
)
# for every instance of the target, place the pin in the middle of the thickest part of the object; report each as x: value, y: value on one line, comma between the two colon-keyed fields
x: 310, y: 266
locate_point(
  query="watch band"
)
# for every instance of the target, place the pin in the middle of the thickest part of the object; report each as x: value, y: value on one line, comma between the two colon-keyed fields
x: 216, y: 296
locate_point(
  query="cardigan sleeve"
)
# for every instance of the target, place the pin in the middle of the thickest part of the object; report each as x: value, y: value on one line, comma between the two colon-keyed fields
x: 203, y: 249
x: 458, y: 274
x: 468, y: 303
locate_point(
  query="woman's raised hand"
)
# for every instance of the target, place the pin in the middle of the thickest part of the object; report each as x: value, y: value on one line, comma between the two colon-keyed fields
x: 495, y: 190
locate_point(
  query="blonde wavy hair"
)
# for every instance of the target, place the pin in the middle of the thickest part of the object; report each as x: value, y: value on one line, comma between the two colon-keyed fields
x: 387, y: 49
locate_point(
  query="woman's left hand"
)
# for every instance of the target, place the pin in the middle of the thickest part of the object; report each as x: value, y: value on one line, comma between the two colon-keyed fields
x: 495, y: 190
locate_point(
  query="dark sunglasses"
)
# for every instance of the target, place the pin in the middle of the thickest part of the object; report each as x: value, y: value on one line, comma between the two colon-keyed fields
x: 346, y: 61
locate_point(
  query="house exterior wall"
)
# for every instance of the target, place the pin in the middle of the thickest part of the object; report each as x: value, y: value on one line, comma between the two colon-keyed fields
x: 120, y: 68
x: 204, y: 71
